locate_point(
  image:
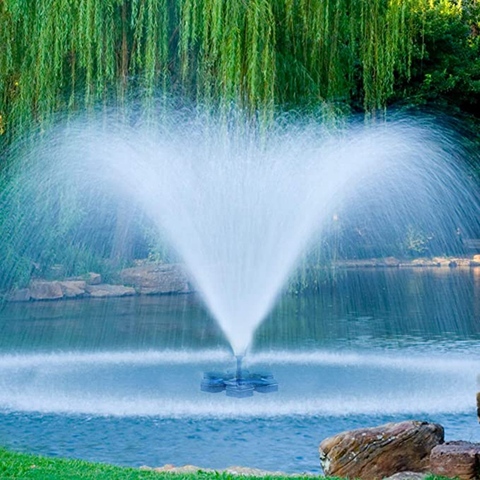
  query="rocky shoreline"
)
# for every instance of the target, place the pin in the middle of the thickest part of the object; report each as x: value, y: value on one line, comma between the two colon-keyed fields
x: 408, y: 450
x: 147, y: 279
x: 256, y: 472
x: 392, y: 262
x: 166, y: 279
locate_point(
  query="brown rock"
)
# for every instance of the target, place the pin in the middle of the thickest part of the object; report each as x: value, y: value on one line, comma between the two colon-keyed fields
x: 368, y: 263
x: 186, y: 469
x: 456, y: 459
x: 156, y: 279
x: 73, y: 288
x: 106, y: 290
x: 422, y: 262
x: 407, y: 476
x: 43, y: 290
x: 391, y: 262
x: 237, y: 471
x: 90, y: 278
x: 252, y: 472
x: 375, y: 453
x: 478, y: 406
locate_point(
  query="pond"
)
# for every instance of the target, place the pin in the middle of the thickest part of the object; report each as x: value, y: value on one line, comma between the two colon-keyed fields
x: 118, y: 380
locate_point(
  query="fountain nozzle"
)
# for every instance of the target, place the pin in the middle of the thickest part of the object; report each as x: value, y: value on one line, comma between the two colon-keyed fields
x: 240, y: 384
x: 239, y: 366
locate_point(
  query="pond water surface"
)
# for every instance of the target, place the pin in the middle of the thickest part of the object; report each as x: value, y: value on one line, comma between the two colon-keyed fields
x: 118, y: 380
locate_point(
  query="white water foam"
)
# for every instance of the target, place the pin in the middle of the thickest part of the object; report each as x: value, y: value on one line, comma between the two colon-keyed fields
x: 166, y: 384
x: 430, y: 362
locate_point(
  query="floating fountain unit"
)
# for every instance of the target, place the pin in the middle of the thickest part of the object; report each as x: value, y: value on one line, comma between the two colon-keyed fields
x: 239, y: 384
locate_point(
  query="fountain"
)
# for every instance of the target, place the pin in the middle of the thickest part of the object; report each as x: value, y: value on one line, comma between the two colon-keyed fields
x: 240, y: 206
x: 239, y: 384
x: 237, y: 203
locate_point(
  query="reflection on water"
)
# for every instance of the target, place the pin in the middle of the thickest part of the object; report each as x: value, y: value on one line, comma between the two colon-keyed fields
x: 380, y: 307
x: 118, y: 380
x: 370, y: 307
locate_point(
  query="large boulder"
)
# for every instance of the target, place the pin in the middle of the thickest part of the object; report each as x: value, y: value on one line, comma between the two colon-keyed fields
x: 375, y: 453
x: 155, y: 279
x: 456, y: 459
x: 44, y: 290
x: 73, y: 288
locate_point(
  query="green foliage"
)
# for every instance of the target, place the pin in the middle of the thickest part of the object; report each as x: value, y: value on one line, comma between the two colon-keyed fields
x: 416, y: 242
x: 445, y: 65
x: 51, y: 232
x: 58, y: 55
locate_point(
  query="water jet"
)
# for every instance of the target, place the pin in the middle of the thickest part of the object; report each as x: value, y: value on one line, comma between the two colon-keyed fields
x: 237, y: 204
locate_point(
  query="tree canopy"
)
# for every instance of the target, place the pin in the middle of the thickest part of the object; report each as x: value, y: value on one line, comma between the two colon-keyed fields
x: 360, y: 55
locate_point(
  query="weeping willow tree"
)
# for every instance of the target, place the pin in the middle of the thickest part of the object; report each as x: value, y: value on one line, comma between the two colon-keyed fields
x: 63, y: 55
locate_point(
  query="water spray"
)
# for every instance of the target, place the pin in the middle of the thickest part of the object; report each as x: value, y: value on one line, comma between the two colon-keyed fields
x: 239, y: 384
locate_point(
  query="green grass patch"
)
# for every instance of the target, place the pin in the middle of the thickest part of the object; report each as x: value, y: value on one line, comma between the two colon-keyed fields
x: 34, y: 467
x: 25, y: 466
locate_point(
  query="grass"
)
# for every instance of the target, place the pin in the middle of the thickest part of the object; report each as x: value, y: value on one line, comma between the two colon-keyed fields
x: 23, y: 466
x: 34, y: 467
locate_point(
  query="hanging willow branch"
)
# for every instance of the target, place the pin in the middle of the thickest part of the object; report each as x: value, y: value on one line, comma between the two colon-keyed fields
x: 59, y: 55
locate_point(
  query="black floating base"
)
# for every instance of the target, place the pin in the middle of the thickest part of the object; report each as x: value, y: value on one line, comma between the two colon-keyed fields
x: 239, y: 386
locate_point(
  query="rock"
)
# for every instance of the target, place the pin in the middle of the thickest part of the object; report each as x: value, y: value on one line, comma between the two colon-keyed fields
x: 478, y: 403
x: 456, y: 459
x: 183, y: 470
x: 407, y: 476
x: 422, y: 262
x: 43, y: 290
x: 106, y: 290
x: 375, y: 453
x: 391, y: 262
x: 442, y: 261
x: 242, y: 471
x: 18, y: 295
x: 253, y: 472
x: 93, y: 278
x: 157, y: 279
x: 90, y: 278
x: 368, y: 263
x: 73, y: 288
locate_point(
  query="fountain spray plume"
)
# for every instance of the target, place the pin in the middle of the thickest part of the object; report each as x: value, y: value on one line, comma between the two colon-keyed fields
x: 238, y: 372
x: 239, y: 204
